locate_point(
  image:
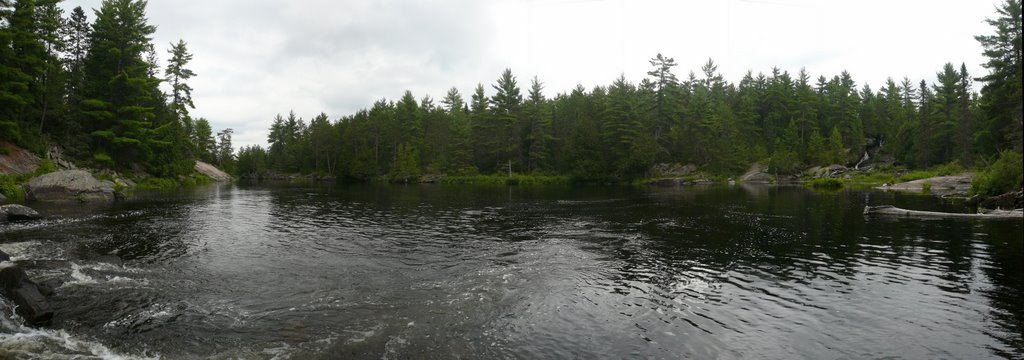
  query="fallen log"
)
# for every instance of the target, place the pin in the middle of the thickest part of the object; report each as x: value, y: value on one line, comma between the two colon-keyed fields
x: 889, y: 210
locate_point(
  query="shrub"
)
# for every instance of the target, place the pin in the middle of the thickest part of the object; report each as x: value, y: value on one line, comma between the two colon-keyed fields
x: 10, y: 187
x: 1005, y: 175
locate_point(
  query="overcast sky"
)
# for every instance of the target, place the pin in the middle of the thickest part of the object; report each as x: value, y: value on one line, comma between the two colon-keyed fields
x: 255, y: 59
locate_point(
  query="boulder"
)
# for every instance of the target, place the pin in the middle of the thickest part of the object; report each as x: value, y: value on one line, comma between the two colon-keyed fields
x: 68, y: 185
x: 213, y: 172
x: 23, y: 292
x: 15, y: 212
x: 757, y: 174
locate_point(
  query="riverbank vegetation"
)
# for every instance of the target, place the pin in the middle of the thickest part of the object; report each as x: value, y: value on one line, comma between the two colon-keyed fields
x: 789, y: 121
x: 92, y: 91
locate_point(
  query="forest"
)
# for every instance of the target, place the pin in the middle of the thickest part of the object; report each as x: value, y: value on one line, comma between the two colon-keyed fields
x: 94, y: 88
x: 787, y: 121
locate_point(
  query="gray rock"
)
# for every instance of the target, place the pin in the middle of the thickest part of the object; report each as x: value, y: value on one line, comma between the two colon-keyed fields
x: 3, y: 199
x: 15, y: 212
x: 213, y: 172
x: 757, y: 174
x: 68, y: 185
x: 954, y: 185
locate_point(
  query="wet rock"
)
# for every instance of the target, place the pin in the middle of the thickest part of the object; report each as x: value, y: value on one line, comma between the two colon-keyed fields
x: 68, y: 185
x: 23, y: 292
x: 15, y: 212
x: 757, y: 174
x: 213, y: 172
x: 4, y: 256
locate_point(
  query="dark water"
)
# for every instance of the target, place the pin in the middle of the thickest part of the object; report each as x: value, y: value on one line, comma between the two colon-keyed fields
x: 464, y: 272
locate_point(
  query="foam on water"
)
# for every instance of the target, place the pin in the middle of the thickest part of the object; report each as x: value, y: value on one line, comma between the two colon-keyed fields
x: 22, y: 342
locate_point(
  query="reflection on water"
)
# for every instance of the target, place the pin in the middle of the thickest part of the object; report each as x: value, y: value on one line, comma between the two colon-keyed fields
x: 434, y: 271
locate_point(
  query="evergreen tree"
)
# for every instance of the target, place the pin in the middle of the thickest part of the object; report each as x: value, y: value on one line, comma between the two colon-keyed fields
x: 1001, y: 93
x: 177, y: 74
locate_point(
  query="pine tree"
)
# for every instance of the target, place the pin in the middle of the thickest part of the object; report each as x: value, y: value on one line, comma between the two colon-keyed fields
x: 177, y: 75
x: 1001, y: 93
x: 119, y: 90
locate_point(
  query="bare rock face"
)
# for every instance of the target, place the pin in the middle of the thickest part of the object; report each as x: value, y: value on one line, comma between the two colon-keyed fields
x: 68, y: 185
x: 213, y: 172
x: 953, y: 185
x: 757, y: 174
x: 674, y: 170
x: 17, y: 160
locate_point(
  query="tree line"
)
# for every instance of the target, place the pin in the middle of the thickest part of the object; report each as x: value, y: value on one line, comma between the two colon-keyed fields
x: 95, y: 89
x: 789, y: 121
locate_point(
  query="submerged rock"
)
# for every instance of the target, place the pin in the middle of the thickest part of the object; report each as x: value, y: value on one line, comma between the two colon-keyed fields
x: 26, y: 294
x: 213, y: 172
x: 15, y: 212
x: 68, y: 185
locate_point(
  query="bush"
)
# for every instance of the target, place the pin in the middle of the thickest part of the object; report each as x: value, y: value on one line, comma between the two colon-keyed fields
x: 10, y: 187
x: 1005, y: 175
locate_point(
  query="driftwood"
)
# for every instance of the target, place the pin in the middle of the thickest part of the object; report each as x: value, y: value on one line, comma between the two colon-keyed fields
x: 889, y: 210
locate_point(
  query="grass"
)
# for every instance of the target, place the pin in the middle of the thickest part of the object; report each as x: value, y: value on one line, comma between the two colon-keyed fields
x: 167, y: 184
x: 939, y: 170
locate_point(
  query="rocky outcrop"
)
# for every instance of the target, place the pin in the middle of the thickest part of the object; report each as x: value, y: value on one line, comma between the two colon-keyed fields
x: 674, y: 170
x: 953, y: 185
x: 213, y: 172
x: 15, y: 212
x: 29, y: 297
x: 17, y: 160
x: 757, y: 174
x: 831, y: 171
x: 68, y: 185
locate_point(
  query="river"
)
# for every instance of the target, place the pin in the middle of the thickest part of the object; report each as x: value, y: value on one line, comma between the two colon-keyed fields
x: 308, y: 272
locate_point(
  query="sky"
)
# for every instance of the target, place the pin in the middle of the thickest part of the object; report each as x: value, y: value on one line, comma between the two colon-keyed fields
x: 256, y: 59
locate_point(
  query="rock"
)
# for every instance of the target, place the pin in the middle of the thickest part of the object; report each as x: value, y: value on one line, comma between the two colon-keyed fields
x: 831, y: 171
x: 68, y: 185
x: 673, y: 170
x: 3, y: 199
x: 15, y: 212
x: 756, y: 174
x: 1007, y: 201
x: 23, y: 292
x: 4, y: 256
x: 17, y: 160
x: 213, y: 172
x: 55, y: 154
x: 953, y: 185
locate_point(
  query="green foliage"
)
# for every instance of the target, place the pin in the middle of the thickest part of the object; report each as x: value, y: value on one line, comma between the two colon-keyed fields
x: 103, y: 159
x: 951, y: 168
x: 1004, y: 175
x: 10, y: 187
x: 825, y: 183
